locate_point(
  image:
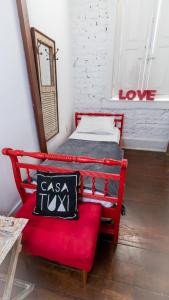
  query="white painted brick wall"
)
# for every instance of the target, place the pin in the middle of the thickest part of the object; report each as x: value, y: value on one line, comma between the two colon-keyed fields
x: 146, y: 124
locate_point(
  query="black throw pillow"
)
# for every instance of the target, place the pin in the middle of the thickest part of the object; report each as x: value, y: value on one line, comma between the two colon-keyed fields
x: 57, y: 195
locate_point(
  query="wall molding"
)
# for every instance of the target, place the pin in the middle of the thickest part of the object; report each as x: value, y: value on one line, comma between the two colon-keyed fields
x: 15, y: 208
x: 127, y: 104
x: 146, y: 145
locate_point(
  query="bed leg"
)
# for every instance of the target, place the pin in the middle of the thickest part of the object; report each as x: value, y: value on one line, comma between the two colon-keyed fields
x: 84, y: 277
x: 116, y: 237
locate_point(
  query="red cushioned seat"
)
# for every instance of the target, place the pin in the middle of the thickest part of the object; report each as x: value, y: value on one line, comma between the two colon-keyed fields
x: 69, y: 242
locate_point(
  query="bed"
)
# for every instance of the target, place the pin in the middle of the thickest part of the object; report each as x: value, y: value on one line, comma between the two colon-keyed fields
x: 84, y: 151
x: 102, y: 179
x: 99, y: 136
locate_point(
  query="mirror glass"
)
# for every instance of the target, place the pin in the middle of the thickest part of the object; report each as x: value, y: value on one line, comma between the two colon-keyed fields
x: 44, y: 61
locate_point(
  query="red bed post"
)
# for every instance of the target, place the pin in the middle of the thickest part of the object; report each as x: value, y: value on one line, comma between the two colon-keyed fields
x: 120, y: 198
x: 16, y: 172
x: 76, y: 119
x: 121, y: 128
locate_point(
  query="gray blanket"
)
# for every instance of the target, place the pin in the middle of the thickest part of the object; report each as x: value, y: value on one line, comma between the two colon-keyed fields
x: 93, y: 149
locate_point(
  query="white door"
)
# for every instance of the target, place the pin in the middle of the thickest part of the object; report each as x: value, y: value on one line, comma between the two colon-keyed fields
x: 135, y: 18
x: 158, y: 61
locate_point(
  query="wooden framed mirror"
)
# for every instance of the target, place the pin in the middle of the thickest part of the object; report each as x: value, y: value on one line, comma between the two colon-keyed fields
x: 44, y: 51
x: 35, y: 86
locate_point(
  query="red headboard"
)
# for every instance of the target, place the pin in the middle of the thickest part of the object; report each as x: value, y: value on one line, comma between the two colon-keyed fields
x: 118, y: 119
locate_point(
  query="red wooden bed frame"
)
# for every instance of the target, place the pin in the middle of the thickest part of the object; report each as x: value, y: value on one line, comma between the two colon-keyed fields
x: 112, y: 212
x: 118, y: 119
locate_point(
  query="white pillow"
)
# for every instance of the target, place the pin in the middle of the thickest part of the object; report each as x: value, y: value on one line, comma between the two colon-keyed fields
x: 96, y: 124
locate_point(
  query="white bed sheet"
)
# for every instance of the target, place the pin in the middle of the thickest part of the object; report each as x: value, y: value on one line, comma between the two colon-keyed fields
x: 115, y: 137
x: 102, y: 202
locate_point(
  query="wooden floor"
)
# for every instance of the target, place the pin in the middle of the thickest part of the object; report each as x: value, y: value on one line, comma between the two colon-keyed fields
x: 139, y: 267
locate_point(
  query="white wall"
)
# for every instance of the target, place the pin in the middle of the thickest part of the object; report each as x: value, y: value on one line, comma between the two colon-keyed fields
x: 146, y: 124
x: 17, y: 126
x: 52, y: 17
x: 92, y: 31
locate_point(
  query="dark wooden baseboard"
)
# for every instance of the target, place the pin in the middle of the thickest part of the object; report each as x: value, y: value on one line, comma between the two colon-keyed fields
x: 167, y: 150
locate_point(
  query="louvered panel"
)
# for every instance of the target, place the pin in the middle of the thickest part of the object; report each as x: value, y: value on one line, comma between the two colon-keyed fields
x: 49, y: 108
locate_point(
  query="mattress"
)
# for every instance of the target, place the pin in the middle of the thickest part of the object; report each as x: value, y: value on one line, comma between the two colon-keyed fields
x: 96, y: 149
